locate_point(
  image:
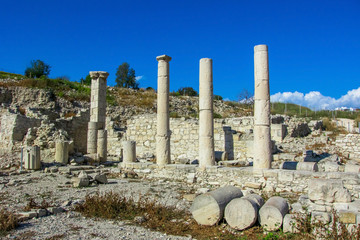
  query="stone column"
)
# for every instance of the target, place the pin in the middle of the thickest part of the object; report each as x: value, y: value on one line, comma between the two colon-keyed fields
x: 102, y: 145
x: 262, y: 137
x: 62, y: 152
x: 163, y: 123
x: 206, y: 121
x: 97, y: 115
x: 129, y: 151
x: 32, y: 158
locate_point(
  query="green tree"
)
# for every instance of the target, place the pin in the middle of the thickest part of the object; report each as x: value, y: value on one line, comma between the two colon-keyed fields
x: 125, y: 77
x: 187, y: 91
x: 86, y: 81
x: 37, y: 69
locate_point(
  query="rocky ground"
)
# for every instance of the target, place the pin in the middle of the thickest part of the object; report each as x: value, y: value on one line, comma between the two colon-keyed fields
x: 56, y: 188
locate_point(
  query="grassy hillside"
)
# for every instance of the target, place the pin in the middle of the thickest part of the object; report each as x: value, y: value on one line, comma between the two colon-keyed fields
x: 6, y: 75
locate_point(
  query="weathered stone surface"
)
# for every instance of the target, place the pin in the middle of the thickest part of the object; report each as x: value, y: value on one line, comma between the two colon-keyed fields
x: 206, y: 122
x: 163, y: 154
x: 272, y: 213
x: 347, y: 217
x: 328, y: 190
x: 62, y: 152
x: 129, y: 151
x: 262, y: 135
x: 241, y: 213
x: 101, y: 178
x: 301, y: 130
x: 80, y: 182
x: 208, y: 209
x: 290, y: 224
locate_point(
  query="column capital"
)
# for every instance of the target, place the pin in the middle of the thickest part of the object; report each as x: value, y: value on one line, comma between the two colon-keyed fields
x: 98, y: 74
x: 261, y: 47
x: 165, y: 58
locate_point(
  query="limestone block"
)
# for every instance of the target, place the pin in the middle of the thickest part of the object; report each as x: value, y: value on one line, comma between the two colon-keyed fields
x: 101, y: 178
x: 286, y: 176
x: 62, y: 152
x: 272, y: 213
x: 323, y: 217
x: 347, y: 217
x: 352, y: 168
x: 328, y: 190
x: 290, y: 224
x: 331, y: 167
x: 80, y: 182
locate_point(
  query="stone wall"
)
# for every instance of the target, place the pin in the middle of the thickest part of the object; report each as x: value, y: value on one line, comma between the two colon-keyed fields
x: 233, y: 135
x: 13, y: 128
x: 342, y: 187
x: 349, y: 145
x: 76, y: 127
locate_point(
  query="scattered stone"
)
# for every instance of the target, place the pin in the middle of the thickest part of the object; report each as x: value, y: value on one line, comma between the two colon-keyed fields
x: 290, y: 224
x: 328, y: 190
x: 189, y: 197
x: 80, y: 182
x: 101, y: 178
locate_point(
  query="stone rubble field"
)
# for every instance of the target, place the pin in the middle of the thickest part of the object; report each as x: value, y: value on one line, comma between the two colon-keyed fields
x: 56, y: 188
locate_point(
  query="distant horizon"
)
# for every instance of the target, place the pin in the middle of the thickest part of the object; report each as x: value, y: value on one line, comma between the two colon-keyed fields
x: 313, y: 45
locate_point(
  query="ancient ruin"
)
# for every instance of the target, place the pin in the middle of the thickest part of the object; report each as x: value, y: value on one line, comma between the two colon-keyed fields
x: 262, y: 138
x: 97, y: 134
x: 240, y: 170
x: 163, y: 120
x: 206, y: 122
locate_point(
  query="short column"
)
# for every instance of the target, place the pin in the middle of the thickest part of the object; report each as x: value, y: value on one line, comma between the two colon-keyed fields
x: 163, y: 123
x: 62, y: 152
x: 262, y: 137
x: 32, y: 158
x: 102, y: 145
x: 92, y: 137
x: 206, y: 121
x: 129, y: 151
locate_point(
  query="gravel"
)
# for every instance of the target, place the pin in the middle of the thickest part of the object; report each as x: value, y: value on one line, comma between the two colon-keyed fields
x: 56, y: 188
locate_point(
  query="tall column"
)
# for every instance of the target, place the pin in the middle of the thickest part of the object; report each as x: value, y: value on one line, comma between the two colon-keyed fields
x: 163, y: 123
x: 206, y: 120
x: 97, y: 114
x: 262, y: 137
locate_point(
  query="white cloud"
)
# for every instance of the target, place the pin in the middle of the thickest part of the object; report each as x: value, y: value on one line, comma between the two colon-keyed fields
x: 317, y: 101
x: 139, y: 78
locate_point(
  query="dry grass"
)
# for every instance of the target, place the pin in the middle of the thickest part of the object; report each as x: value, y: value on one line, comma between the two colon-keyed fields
x: 316, y: 146
x: 32, y: 204
x: 176, y: 222
x: 8, y: 221
x: 139, y: 98
x: 159, y: 218
x: 69, y: 115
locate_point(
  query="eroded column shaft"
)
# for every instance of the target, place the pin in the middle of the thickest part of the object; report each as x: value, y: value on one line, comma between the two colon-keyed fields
x: 206, y: 121
x: 163, y: 122
x: 262, y: 137
x: 97, y: 115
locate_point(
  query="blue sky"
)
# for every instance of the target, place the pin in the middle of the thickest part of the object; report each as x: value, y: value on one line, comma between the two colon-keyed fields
x: 314, y: 46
